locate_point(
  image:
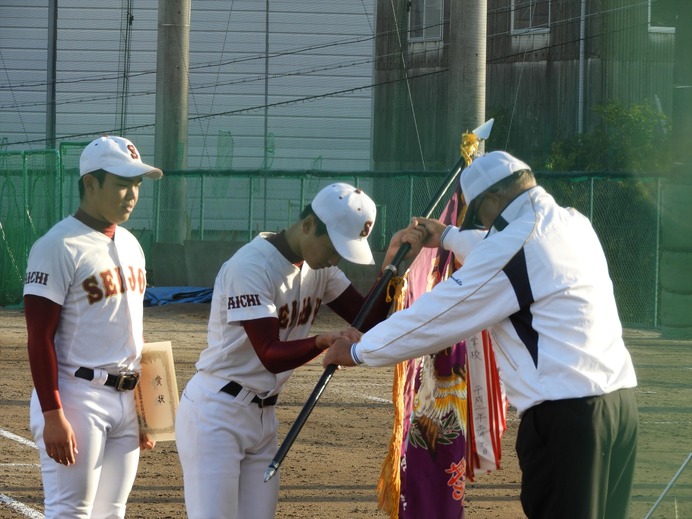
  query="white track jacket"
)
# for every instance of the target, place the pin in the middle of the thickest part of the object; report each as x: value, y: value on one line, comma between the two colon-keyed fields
x: 539, y: 282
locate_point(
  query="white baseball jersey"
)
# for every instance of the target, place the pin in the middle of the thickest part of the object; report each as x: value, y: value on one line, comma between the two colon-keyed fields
x: 100, y: 284
x: 258, y: 282
x: 539, y: 281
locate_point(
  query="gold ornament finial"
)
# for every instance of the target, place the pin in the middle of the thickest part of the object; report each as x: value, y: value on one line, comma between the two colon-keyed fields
x: 469, y: 147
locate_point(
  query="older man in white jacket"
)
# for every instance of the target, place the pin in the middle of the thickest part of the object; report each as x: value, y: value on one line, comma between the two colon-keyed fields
x: 539, y: 282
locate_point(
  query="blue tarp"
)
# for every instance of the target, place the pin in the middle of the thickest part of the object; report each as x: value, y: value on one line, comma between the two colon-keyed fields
x: 155, y: 296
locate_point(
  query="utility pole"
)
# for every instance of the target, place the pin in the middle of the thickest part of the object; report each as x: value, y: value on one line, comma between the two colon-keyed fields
x: 51, y: 73
x: 468, y: 28
x: 172, y: 73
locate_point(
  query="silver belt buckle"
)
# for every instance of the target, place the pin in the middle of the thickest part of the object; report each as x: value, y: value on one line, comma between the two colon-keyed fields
x: 126, y: 378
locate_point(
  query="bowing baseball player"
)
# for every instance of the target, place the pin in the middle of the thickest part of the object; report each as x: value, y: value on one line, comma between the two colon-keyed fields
x: 83, y: 300
x: 265, y: 299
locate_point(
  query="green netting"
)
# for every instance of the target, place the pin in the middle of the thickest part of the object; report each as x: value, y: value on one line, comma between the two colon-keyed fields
x: 39, y: 188
x: 29, y: 206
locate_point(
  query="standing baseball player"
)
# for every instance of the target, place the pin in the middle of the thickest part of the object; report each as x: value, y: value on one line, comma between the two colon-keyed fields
x: 265, y: 299
x: 539, y: 281
x: 83, y: 300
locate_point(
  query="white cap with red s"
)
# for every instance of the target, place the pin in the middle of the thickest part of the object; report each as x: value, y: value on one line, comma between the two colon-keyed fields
x: 349, y: 215
x: 115, y: 155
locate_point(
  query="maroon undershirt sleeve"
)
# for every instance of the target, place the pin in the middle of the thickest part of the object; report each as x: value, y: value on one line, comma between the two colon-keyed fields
x: 278, y: 356
x: 42, y: 317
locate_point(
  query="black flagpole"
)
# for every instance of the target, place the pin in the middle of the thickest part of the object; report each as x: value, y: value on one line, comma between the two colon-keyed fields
x: 468, y: 150
x: 375, y: 293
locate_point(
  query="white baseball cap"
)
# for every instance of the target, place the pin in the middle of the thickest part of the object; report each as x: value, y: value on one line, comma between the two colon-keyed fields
x: 483, y: 173
x: 349, y: 215
x: 116, y: 155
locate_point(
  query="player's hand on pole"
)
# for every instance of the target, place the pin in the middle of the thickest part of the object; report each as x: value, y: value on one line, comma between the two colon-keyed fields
x: 414, y: 234
x: 433, y: 231
x: 59, y: 438
x: 325, y: 340
x: 339, y: 354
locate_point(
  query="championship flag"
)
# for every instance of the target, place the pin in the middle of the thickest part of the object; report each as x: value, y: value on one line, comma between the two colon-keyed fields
x: 449, y: 408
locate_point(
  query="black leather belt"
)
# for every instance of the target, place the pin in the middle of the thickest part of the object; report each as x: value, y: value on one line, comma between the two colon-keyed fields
x: 121, y: 382
x: 233, y: 388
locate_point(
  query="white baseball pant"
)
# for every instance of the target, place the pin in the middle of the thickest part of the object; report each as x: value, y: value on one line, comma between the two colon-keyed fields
x: 105, y: 425
x: 225, y: 445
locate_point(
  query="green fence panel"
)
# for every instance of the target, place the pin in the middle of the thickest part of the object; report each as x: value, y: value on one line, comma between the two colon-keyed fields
x: 39, y: 188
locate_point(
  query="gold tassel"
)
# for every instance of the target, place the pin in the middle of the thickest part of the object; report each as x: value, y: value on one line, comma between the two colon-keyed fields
x: 398, y: 285
x: 389, y: 484
x: 469, y: 147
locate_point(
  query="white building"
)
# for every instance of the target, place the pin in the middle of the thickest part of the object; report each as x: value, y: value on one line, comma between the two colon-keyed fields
x: 295, y: 74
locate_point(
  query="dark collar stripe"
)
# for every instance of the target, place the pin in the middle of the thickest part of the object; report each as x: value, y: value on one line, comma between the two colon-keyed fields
x: 500, y: 223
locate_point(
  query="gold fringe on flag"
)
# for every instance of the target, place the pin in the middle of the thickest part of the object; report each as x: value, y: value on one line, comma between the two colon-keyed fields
x: 389, y: 484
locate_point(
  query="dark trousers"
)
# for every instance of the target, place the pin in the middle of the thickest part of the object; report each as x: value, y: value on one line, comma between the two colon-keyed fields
x: 577, y: 457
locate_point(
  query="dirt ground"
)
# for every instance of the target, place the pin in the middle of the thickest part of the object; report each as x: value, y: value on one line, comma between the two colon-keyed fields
x: 332, y: 468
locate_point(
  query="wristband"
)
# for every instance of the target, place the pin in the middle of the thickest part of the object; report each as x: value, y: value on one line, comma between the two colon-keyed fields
x: 444, y: 234
x: 354, y: 354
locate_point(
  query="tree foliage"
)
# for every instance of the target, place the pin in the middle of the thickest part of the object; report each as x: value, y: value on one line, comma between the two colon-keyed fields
x: 629, y: 139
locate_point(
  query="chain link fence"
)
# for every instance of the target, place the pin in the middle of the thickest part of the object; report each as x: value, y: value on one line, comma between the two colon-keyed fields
x: 39, y: 188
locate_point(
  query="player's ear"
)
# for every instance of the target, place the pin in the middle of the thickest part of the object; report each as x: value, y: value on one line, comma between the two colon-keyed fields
x: 308, y: 224
x: 88, y: 181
